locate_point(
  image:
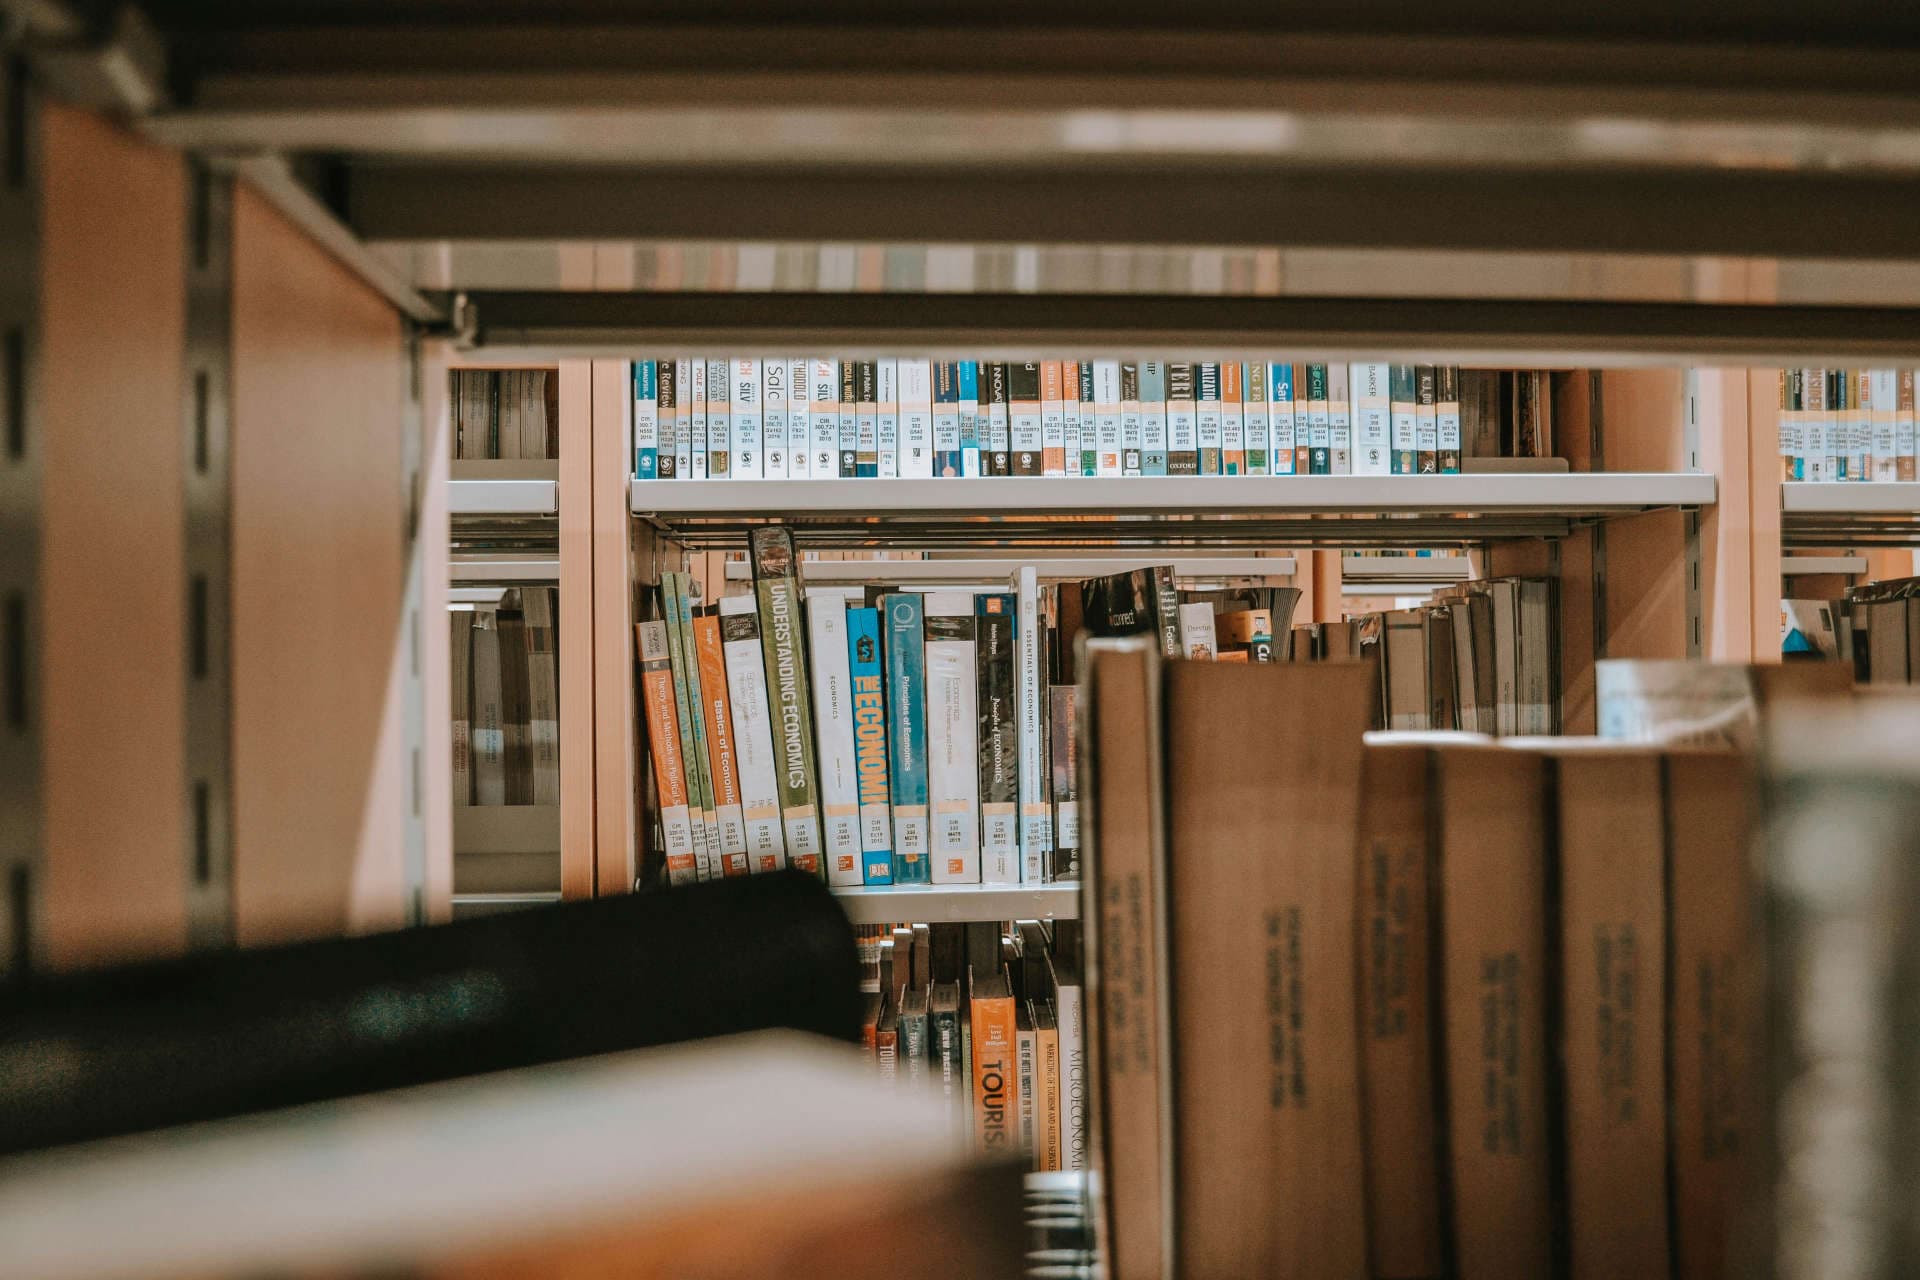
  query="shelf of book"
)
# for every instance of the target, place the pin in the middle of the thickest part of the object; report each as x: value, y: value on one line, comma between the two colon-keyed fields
x: 504, y: 569
x: 1211, y: 511
x: 907, y: 573
x: 528, y: 497
x: 962, y: 902
x: 1850, y: 513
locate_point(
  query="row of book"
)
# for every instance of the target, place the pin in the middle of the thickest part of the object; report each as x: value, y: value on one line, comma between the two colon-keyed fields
x: 506, y: 729
x: 987, y: 1017
x: 1406, y: 1005
x: 504, y: 413
x: 1482, y: 657
x: 1873, y: 628
x: 814, y: 418
x: 1846, y: 424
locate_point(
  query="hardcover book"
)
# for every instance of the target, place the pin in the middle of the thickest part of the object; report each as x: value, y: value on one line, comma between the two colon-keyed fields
x: 687, y: 709
x: 719, y: 420
x: 1087, y: 432
x: 1283, y: 421
x: 916, y: 419
x: 1024, y: 417
x: 971, y: 418
x: 646, y: 421
x: 946, y: 418
x: 1132, y: 439
x: 1373, y: 420
x: 730, y: 823
x: 1207, y: 428
x: 1233, y: 421
x: 1183, y: 442
x: 847, y: 421
x: 887, y: 419
x: 663, y: 747
x: 1446, y: 416
x: 673, y: 410
x: 999, y: 448
x: 777, y: 588
x: 1314, y: 455
x: 1257, y: 427
x: 999, y: 740
x: 839, y: 788
x: 953, y: 753
x: 1153, y: 418
x: 866, y: 419
x: 907, y: 736
x: 1426, y: 422
x: 745, y: 392
x: 870, y: 745
x: 1063, y: 860
x: 995, y: 1080
x: 773, y: 418
x: 752, y: 733
x: 1036, y: 812
x: 1339, y: 422
x: 1053, y: 430
x: 823, y: 378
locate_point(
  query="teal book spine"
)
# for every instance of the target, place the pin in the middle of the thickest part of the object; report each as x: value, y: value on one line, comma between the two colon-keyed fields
x: 906, y: 662
x: 868, y: 676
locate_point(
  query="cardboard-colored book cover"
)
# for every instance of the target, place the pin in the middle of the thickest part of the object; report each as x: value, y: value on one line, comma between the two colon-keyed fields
x: 721, y: 755
x: 996, y: 1083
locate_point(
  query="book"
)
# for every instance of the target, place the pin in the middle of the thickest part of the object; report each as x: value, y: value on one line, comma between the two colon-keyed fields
x: 950, y: 1077
x: 999, y: 446
x: 1339, y: 422
x: 1405, y: 1239
x: 515, y: 716
x: 1233, y: 421
x: 729, y: 817
x: 773, y: 418
x: 1313, y: 454
x: 995, y: 1082
x: 1197, y: 638
x: 1903, y: 428
x: 870, y: 745
x: 1283, y: 421
x: 1404, y: 418
x: 1053, y: 459
x: 1132, y: 438
x: 1026, y: 1057
x: 697, y: 427
x: 1372, y: 420
x: 946, y: 418
x: 837, y: 778
x: 672, y: 412
x: 1069, y: 1014
x: 1183, y: 442
x: 1263, y: 815
x: 1612, y: 872
x: 663, y: 746
x: 953, y: 752
x: 488, y: 729
x: 907, y: 737
x: 1089, y: 419
x: 886, y: 431
x: 1036, y: 813
x: 646, y: 421
x: 746, y: 678
x: 1492, y: 872
x: 915, y: 1038
x: 1109, y: 419
x: 1062, y: 862
x: 777, y: 589
x: 886, y: 1036
x: 1049, y: 1120
x: 460, y: 705
x: 999, y: 736
x: 719, y: 420
x: 1813, y: 424
x: 1248, y: 631
x: 823, y: 402
x: 1153, y: 418
x: 1446, y: 418
x: 1256, y: 426
x: 745, y: 409
x: 972, y: 417
x: 799, y: 418
x: 1883, y: 401
x: 866, y: 418
x: 1208, y: 426
x: 700, y: 780
x: 686, y: 712
x: 1166, y: 610
x: 846, y: 428
x: 1024, y: 418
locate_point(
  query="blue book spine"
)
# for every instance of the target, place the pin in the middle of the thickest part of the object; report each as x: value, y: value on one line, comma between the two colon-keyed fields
x: 970, y: 415
x: 907, y: 737
x: 870, y: 744
x: 946, y: 418
x: 646, y: 421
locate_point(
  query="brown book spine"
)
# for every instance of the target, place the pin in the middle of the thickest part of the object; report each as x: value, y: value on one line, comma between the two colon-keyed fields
x: 720, y: 750
x: 996, y: 1101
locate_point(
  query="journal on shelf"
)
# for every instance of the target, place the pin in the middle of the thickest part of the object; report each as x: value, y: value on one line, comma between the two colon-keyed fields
x: 811, y: 418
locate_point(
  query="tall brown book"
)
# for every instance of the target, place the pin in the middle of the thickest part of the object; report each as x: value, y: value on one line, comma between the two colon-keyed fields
x: 1396, y: 1021
x: 1716, y: 951
x: 1612, y: 865
x: 1125, y: 868
x: 1263, y: 781
x: 1492, y: 871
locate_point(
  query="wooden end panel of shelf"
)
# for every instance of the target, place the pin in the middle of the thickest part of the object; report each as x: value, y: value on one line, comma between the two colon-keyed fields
x: 319, y: 636
x: 1763, y: 524
x: 113, y: 239
x: 615, y: 758
x: 577, y: 675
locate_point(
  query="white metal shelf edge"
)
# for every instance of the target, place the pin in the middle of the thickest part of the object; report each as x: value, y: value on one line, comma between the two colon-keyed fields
x: 961, y: 902
x: 1574, y: 491
x: 534, y: 569
x: 995, y: 569
x: 1890, y: 497
x: 1794, y: 566
x: 503, y: 497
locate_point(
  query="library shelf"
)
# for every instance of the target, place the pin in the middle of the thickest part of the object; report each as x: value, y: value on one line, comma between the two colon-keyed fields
x: 1798, y: 566
x: 506, y: 828
x: 1001, y: 569
x: 523, y: 497
x: 888, y: 904
x: 504, y: 569
x: 1850, y: 513
x: 1209, y: 511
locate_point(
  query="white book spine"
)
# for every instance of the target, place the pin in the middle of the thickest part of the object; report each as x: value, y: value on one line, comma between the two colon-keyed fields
x: 799, y: 419
x: 1886, y: 448
x: 916, y: 419
x: 683, y: 419
x: 946, y: 422
x: 953, y: 753
x: 833, y: 731
x: 1282, y: 419
x: 1053, y: 425
x: 1132, y: 421
x: 1903, y: 426
x: 1070, y: 1014
x: 887, y: 381
x: 1447, y: 425
x: 1373, y: 423
x: 1208, y: 427
x: 1339, y: 422
x: 1036, y: 808
x: 1258, y: 428
x: 1071, y: 431
x: 823, y: 382
x: 697, y: 422
x: 488, y: 729
x: 1183, y: 427
x: 773, y: 420
x: 1108, y: 428
x: 719, y: 420
x: 747, y: 464
x: 1233, y: 436
x: 752, y: 733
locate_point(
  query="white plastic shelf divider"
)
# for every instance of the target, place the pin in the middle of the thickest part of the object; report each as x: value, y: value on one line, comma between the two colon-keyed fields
x: 503, y: 497
x: 930, y: 903
x: 908, y: 572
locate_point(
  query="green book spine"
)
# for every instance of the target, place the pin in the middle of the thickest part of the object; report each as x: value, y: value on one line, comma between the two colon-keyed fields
x: 776, y: 585
x: 680, y: 655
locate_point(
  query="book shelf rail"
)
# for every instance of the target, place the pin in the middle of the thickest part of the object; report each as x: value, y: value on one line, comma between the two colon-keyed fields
x: 503, y: 497
x: 1850, y: 514
x: 930, y: 904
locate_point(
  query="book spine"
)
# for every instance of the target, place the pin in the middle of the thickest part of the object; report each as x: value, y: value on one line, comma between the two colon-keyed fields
x: 1063, y: 863
x: 1132, y: 438
x: 1053, y: 431
x: 543, y: 693
x: 907, y: 736
x: 946, y: 418
x: 823, y: 404
x: 995, y: 1082
x: 1233, y: 421
x: 1792, y: 459
x: 489, y: 728
x: 970, y: 384
x: 1373, y: 422
x: 1089, y: 420
x: 728, y: 813
x: 1024, y: 418
x: 1256, y: 426
x: 866, y: 419
x: 913, y: 1051
x: 752, y: 734
x: 745, y: 389
x: 773, y: 419
x: 870, y: 745
x: 667, y: 388
x: 847, y: 422
x: 1026, y: 1056
x: 1153, y: 418
x: 1319, y: 441
x: 646, y: 421
x: 1107, y: 426
x: 697, y: 419
x: 685, y: 708
x: 887, y: 419
x: 663, y: 744
x: 799, y: 419
x: 778, y: 592
x: 953, y: 752
x: 1183, y: 432
x: 1047, y: 1156
x: 1283, y: 421
x: 719, y: 421
x: 1339, y: 422
x: 1036, y: 815
x: 1886, y: 449
x: 1426, y: 421
x: 999, y: 742
x: 1814, y: 424
x: 839, y: 789
x: 1903, y: 429
x: 1860, y: 433
x: 1446, y: 415
x: 1073, y: 1073
x: 1166, y: 604
x: 999, y: 439
x: 949, y: 1059
x: 1405, y: 420
x: 1208, y: 430
x: 916, y: 419
x: 461, y: 627
x: 702, y: 788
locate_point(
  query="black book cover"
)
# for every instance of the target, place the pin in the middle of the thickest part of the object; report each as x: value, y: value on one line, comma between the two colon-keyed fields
x: 994, y: 382
x: 849, y: 418
x: 667, y: 391
x: 1023, y: 395
x: 1120, y: 604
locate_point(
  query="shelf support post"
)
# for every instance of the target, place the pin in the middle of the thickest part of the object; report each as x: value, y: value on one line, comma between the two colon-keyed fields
x: 413, y: 693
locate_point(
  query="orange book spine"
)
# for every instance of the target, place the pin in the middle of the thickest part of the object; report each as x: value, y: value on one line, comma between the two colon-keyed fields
x: 1233, y: 458
x: 726, y: 769
x: 995, y: 1081
x: 663, y: 744
x: 1053, y: 439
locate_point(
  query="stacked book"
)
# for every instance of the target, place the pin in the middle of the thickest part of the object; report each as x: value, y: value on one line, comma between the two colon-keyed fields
x: 1873, y: 627
x: 1846, y: 424
x: 988, y: 1018
x: 506, y: 729
x: 811, y: 418
x: 1496, y: 1025
x: 504, y: 413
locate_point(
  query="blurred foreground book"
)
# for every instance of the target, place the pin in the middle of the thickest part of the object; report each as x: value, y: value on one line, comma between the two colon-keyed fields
x: 754, y: 1156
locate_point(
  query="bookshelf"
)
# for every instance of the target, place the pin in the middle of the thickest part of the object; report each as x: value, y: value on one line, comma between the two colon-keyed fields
x: 520, y: 497
x: 964, y: 903
x: 1844, y: 514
